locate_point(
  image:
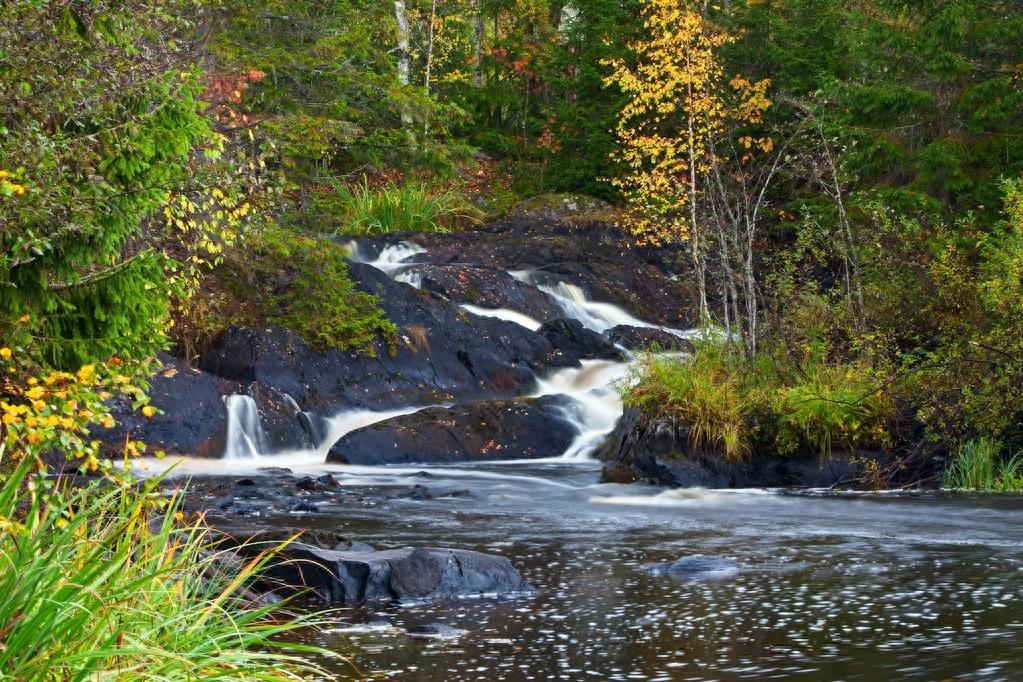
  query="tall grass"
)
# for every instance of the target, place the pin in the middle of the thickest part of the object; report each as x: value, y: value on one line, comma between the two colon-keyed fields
x: 707, y: 391
x: 976, y: 467
x: 734, y: 405
x: 399, y: 208
x: 95, y: 586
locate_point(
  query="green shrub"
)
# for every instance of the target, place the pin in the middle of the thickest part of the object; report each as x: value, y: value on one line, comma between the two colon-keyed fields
x: 98, y: 585
x: 833, y: 404
x: 283, y: 278
x: 710, y: 391
x: 398, y: 208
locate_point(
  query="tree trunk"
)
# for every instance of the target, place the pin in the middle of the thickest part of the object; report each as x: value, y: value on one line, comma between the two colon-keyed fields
x: 477, y: 44
x: 401, y: 17
x: 429, y: 46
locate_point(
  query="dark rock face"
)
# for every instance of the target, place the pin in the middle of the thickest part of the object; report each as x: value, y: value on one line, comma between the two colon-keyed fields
x: 658, y: 450
x: 695, y: 567
x: 573, y: 342
x: 491, y: 429
x: 643, y: 338
x: 193, y: 416
x: 589, y: 254
x: 347, y: 577
x: 484, y: 286
x: 192, y: 420
x: 446, y: 355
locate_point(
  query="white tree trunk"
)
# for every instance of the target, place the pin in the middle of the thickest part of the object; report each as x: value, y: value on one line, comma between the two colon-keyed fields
x: 477, y: 44
x: 401, y: 17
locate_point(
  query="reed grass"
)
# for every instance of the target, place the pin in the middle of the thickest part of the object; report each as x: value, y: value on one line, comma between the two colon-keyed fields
x: 96, y: 585
x: 976, y: 466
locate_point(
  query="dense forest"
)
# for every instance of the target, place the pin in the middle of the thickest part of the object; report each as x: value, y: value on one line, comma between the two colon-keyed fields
x: 837, y: 187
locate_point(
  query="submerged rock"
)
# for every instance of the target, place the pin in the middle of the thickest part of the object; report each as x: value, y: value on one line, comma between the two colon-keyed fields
x: 695, y: 567
x: 483, y: 430
x: 347, y: 577
x: 435, y: 631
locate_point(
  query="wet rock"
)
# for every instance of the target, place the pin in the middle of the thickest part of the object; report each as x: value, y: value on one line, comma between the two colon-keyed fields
x: 328, y: 481
x: 443, y: 354
x: 660, y: 450
x: 191, y: 418
x: 394, y: 575
x: 695, y: 567
x: 573, y: 342
x: 644, y: 338
x: 484, y: 286
x: 483, y: 430
x: 297, y: 504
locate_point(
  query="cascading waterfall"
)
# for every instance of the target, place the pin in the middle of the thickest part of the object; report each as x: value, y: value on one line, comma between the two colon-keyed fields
x: 391, y: 259
x: 245, y: 439
x: 596, y: 405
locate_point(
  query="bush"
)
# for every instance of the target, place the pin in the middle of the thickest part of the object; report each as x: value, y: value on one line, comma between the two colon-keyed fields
x: 832, y: 404
x: 99, y: 585
x: 284, y: 278
x: 398, y: 208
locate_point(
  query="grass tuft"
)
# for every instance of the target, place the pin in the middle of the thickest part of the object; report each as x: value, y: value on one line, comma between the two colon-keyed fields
x: 98, y: 585
x: 399, y: 208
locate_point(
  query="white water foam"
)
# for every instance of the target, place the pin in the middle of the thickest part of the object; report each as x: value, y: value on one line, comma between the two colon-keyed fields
x: 391, y: 259
x: 503, y: 314
x: 595, y: 406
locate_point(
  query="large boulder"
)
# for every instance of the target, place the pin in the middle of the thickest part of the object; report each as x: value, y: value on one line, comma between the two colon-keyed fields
x: 444, y: 354
x: 348, y: 577
x: 482, y: 430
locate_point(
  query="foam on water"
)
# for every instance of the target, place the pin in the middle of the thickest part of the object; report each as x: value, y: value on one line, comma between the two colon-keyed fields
x: 391, y: 258
x: 503, y: 314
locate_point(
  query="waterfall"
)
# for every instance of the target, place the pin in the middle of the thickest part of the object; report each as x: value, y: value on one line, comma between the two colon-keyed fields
x: 410, y: 276
x: 595, y: 406
x: 245, y: 439
x: 390, y: 259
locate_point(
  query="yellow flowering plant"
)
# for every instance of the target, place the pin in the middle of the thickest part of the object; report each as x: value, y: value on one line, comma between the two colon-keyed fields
x: 56, y: 411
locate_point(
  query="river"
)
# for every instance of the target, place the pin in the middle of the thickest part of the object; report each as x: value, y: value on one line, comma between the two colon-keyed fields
x: 830, y: 586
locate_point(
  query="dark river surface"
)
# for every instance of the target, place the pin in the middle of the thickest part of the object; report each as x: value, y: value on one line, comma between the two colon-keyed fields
x: 871, y: 587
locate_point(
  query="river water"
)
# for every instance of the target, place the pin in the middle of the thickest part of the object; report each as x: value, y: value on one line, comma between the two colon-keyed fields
x: 830, y: 586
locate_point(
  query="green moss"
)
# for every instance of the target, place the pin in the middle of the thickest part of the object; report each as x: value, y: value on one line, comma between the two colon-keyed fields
x: 287, y: 279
